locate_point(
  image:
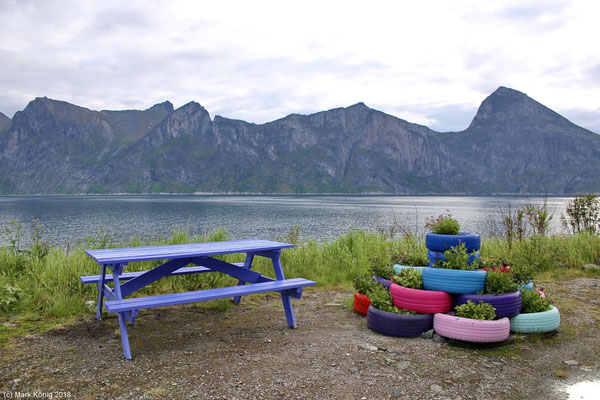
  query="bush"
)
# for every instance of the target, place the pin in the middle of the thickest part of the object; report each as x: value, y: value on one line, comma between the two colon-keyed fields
x: 498, y: 282
x: 409, y: 278
x: 363, y: 283
x: 483, y: 311
x: 534, y: 300
x: 583, y: 214
x: 523, y: 273
x: 381, y: 268
x: 444, y: 224
x: 9, y: 297
x: 457, y: 258
x: 381, y: 299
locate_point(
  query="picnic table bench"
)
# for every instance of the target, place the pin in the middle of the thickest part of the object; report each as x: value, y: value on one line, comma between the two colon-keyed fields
x: 179, y: 256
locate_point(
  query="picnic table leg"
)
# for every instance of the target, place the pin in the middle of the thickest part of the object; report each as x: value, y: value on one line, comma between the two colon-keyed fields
x: 100, y: 293
x: 117, y: 269
x: 285, y: 299
x: 247, y: 265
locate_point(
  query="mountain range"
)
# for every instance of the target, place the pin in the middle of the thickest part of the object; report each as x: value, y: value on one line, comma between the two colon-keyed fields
x: 513, y: 145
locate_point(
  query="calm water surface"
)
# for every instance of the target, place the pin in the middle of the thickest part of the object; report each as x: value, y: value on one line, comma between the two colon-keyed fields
x: 73, y: 218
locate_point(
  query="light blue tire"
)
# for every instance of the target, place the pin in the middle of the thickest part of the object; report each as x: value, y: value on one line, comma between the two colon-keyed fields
x: 398, y: 268
x: 545, y: 321
x: 435, y: 256
x: 454, y: 280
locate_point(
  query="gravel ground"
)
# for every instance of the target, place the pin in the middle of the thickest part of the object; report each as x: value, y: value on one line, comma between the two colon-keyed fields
x: 248, y: 352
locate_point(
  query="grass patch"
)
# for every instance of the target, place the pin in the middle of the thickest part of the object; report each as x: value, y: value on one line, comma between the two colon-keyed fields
x: 46, y: 291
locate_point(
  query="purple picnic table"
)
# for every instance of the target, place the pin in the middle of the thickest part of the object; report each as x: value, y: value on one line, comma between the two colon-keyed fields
x: 179, y: 256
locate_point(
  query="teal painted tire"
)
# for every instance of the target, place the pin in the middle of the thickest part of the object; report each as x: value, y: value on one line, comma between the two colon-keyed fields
x: 454, y: 280
x: 545, y: 321
x: 398, y: 268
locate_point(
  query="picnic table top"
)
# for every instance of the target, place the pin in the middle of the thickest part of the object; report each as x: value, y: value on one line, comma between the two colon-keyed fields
x: 132, y: 254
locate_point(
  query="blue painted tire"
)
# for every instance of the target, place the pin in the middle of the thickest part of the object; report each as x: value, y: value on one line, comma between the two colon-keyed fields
x: 398, y: 325
x: 505, y: 304
x: 437, y: 242
x: 454, y: 280
x: 546, y: 321
x: 435, y: 256
x: 398, y: 268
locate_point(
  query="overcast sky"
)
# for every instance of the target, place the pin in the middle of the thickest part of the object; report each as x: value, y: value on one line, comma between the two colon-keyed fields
x: 429, y: 62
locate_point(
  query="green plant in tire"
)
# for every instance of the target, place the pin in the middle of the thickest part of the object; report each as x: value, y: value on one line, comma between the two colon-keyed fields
x: 444, y: 224
x: 382, y: 299
x: 499, y: 282
x: 409, y: 278
x: 363, y: 284
x: 457, y: 258
x: 534, y: 301
x: 482, y: 311
x: 523, y: 273
x: 381, y: 268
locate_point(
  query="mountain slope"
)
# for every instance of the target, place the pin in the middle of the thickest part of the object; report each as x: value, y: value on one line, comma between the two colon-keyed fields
x: 513, y: 145
x: 4, y: 122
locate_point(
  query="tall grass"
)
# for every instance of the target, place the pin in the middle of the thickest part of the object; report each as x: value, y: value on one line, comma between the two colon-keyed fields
x: 49, y: 285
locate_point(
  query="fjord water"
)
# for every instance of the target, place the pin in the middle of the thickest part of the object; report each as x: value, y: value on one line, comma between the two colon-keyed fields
x: 71, y: 219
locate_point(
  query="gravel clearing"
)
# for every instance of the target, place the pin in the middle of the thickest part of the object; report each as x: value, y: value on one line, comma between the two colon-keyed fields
x: 248, y: 352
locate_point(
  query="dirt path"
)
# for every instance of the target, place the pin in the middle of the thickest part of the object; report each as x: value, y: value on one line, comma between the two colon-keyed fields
x: 247, y: 352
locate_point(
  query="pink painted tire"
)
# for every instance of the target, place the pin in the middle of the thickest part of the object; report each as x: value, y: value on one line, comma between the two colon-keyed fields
x: 361, y: 303
x: 471, y: 330
x: 421, y: 301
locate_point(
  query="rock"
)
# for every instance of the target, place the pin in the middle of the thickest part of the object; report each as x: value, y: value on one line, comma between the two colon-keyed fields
x: 368, y: 346
x: 436, y: 388
x: 354, y: 370
x: 428, y: 334
x: 497, y: 363
x: 111, y: 340
x: 586, y: 369
x: 334, y: 304
x: 591, y: 266
x: 8, y: 324
x: 572, y: 362
x: 439, y: 339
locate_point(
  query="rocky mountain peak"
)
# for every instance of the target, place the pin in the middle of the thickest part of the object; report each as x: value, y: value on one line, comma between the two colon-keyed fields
x: 166, y: 106
x: 4, y: 122
x: 508, y: 107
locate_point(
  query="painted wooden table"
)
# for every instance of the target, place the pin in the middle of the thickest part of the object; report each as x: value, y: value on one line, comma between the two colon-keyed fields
x: 179, y: 256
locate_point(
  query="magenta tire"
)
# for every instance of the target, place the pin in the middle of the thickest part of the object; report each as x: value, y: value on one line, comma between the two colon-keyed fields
x: 421, y: 301
x: 398, y: 325
x: 505, y: 304
x: 471, y: 330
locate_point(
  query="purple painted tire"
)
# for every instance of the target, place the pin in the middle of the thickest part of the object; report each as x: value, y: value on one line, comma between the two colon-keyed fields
x: 437, y: 242
x: 471, y: 330
x: 384, y: 282
x: 505, y: 304
x: 398, y: 325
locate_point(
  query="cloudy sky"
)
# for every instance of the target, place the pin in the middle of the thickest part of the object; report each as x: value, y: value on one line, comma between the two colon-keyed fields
x: 429, y: 62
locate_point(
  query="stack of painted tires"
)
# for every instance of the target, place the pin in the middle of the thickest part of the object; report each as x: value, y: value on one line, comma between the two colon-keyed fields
x: 437, y: 244
x: 447, y: 288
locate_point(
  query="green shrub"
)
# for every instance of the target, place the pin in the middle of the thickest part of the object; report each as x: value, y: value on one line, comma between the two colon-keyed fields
x: 457, y: 258
x: 381, y: 268
x: 583, y: 214
x: 499, y: 282
x: 444, y: 224
x: 409, y: 278
x: 483, y: 311
x: 9, y: 297
x: 363, y: 283
x: 523, y: 273
x: 382, y: 299
x: 534, y: 300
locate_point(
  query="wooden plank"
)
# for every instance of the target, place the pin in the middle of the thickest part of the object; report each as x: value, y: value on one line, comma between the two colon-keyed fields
x: 130, y: 275
x: 203, y: 295
x: 131, y: 254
